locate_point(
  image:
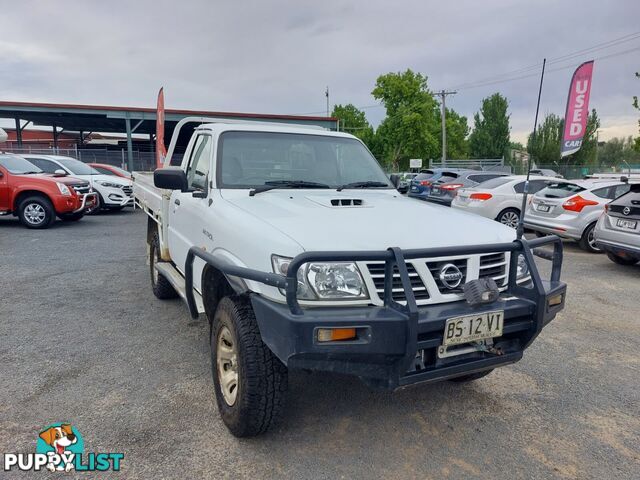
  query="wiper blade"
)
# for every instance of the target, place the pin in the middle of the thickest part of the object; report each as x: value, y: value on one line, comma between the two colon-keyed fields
x: 367, y: 184
x: 273, y: 184
x: 30, y: 173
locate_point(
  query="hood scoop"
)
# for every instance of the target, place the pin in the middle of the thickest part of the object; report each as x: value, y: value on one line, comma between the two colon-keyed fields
x: 338, y: 202
x: 346, y: 202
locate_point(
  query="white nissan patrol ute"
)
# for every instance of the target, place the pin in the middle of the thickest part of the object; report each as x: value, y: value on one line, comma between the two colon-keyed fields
x: 303, y: 255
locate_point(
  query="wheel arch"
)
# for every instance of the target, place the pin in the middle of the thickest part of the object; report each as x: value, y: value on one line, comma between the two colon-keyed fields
x: 216, y: 285
x: 30, y: 193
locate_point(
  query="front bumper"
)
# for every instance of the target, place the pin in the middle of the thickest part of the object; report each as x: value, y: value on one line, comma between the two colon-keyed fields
x: 399, y: 345
x: 87, y: 200
x: 380, y: 358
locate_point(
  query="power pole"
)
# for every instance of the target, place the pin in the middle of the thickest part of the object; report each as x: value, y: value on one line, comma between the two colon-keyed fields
x: 326, y: 94
x: 443, y: 95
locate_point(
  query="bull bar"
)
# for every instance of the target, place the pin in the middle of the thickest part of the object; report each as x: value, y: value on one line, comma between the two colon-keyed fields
x: 531, y: 300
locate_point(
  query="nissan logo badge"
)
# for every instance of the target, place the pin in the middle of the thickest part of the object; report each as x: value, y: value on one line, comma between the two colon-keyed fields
x: 450, y: 276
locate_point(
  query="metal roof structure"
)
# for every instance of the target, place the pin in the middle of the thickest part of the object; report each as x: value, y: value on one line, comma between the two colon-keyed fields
x: 85, y: 119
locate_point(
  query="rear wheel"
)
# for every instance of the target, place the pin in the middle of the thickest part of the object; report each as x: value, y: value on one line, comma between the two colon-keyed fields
x: 587, y: 242
x: 509, y: 217
x: 36, y: 212
x: 471, y: 377
x: 620, y: 260
x: 161, y: 287
x: 249, y: 380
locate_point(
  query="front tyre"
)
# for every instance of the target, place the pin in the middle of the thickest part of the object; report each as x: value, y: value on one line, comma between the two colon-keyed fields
x: 36, y: 212
x: 588, y: 242
x: 249, y: 380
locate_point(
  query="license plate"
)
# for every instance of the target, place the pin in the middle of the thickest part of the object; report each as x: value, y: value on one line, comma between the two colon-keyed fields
x: 542, y: 208
x: 435, y: 190
x: 629, y: 224
x: 473, y: 327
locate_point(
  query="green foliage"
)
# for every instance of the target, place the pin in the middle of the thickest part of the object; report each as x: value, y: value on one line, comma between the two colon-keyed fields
x: 617, y: 151
x: 410, y: 129
x: 354, y: 121
x: 457, y: 132
x: 490, y: 136
x: 546, y: 149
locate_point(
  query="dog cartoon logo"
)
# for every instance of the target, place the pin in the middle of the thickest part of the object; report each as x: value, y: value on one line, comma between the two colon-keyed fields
x: 61, y: 442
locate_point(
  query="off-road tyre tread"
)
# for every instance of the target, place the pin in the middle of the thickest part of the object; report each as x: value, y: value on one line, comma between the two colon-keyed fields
x: 263, y: 379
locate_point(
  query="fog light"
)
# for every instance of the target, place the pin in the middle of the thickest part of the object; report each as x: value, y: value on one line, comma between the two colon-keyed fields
x: 555, y: 300
x: 336, y: 334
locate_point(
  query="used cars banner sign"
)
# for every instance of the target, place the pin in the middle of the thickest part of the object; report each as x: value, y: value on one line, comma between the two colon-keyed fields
x: 575, y: 118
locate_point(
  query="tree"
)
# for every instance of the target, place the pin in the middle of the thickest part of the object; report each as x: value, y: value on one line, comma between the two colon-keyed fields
x: 457, y: 132
x: 617, y: 151
x: 546, y: 150
x: 354, y: 121
x: 490, y: 136
x: 410, y: 129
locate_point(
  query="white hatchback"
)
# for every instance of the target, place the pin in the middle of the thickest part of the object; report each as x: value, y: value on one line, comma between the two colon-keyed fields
x: 499, y: 198
x: 114, y: 193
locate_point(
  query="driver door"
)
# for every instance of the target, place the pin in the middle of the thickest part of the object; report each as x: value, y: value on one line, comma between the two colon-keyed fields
x: 186, y: 211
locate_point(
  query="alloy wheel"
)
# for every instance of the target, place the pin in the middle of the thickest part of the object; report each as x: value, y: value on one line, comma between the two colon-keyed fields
x: 510, y: 219
x: 34, y: 214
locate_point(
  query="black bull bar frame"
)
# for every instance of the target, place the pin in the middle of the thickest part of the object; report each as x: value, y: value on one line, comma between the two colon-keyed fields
x: 395, y: 257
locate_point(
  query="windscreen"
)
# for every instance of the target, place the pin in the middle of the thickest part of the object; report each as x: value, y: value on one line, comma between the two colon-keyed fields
x: 252, y: 159
x: 560, y: 190
x: 18, y: 165
x: 77, y: 167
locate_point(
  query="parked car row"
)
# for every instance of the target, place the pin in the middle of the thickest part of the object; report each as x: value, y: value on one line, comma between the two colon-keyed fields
x: 39, y: 188
x: 579, y: 210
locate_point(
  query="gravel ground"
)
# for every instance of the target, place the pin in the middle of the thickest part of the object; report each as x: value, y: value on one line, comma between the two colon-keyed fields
x: 83, y: 339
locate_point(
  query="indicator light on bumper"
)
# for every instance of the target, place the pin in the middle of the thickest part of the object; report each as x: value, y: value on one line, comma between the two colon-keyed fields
x: 555, y: 300
x: 336, y: 334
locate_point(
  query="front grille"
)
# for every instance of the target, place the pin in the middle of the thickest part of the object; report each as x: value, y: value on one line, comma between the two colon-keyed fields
x: 436, y: 267
x: 127, y: 189
x: 494, y: 265
x: 81, y: 188
x: 376, y: 270
x: 426, y: 283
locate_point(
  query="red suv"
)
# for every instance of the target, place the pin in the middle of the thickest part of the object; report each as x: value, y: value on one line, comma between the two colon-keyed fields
x: 36, y: 198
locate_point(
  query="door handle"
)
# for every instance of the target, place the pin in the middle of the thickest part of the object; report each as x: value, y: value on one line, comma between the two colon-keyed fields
x: 177, y: 201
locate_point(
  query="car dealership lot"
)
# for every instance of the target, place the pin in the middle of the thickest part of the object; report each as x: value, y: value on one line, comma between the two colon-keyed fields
x: 84, y: 340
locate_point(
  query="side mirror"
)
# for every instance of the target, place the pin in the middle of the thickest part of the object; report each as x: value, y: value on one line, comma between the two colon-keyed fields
x: 171, y: 178
x: 60, y: 172
x: 624, y: 179
x: 395, y: 179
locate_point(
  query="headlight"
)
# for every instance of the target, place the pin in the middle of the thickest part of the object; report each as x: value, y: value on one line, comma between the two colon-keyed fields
x: 108, y: 184
x: 64, y: 190
x: 325, y: 281
x: 522, y: 270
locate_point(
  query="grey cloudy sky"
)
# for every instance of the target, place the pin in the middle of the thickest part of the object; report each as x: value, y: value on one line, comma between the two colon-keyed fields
x: 278, y: 56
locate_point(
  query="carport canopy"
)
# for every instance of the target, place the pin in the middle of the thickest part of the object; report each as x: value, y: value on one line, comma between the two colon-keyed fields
x: 127, y: 120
